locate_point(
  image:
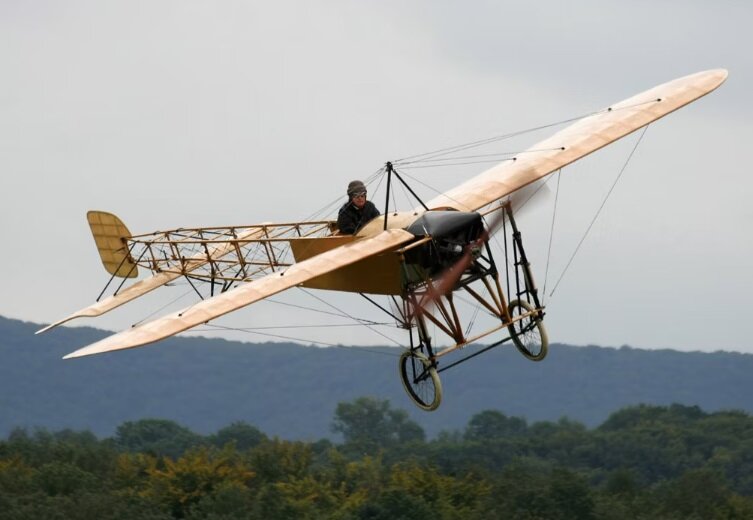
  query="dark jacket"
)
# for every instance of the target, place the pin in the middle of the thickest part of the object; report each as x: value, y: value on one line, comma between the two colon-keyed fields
x: 350, y: 219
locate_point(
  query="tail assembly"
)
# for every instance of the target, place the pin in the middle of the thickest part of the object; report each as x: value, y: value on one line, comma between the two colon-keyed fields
x: 111, y: 237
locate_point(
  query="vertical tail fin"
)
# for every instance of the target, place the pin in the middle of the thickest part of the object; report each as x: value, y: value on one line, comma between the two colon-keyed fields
x: 111, y: 237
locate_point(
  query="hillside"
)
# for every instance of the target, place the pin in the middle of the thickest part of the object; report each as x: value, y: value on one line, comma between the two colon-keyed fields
x: 291, y: 391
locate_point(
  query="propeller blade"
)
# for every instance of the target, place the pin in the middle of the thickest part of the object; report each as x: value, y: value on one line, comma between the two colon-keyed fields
x: 531, y: 198
x: 447, y: 281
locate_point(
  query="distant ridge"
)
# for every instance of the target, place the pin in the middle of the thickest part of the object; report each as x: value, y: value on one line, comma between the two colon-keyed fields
x: 291, y: 391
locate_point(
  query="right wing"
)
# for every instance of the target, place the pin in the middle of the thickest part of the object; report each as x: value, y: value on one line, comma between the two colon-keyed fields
x: 578, y: 140
x: 149, y: 284
x: 249, y: 293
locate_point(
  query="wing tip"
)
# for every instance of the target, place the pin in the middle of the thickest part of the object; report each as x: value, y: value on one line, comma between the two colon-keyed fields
x: 721, y: 74
x: 53, y: 325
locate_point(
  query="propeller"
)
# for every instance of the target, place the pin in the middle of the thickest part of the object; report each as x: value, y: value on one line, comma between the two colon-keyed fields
x: 522, y: 202
x: 449, y: 278
x: 531, y: 198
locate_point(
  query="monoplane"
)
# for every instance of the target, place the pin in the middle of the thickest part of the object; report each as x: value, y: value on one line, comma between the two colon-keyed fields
x: 419, y: 259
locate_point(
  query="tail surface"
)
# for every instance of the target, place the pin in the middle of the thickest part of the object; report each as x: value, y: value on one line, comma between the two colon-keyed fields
x: 111, y: 237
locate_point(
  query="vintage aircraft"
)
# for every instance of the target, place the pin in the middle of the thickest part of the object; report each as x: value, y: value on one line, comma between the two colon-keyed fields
x: 418, y: 258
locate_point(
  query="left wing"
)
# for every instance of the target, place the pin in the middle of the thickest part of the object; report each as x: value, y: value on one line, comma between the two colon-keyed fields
x: 247, y: 294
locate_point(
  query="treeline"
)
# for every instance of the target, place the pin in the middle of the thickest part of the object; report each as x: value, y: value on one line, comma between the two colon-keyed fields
x: 643, y: 462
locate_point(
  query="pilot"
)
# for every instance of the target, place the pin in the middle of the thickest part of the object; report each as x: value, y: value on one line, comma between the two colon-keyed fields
x: 357, y: 211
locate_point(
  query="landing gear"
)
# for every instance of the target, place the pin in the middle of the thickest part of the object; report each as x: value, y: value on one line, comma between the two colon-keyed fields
x: 428, y: 300
x: 420, y: 380
x: 528, y: 333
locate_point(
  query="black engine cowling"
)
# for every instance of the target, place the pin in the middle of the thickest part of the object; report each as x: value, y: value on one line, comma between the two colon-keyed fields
x: 451, y: 231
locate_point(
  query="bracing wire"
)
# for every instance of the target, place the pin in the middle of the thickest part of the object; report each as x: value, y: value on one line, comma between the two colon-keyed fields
x: 488, y: 161
x: 429, y: 187
x: 311, y: 326
x: 481, y: 142
x: 598, y: 212
x: 312, y: 309
x: 491, y: 157
x: 328, y: 207
x: 551, y: 236
x: 142, y: 320
x: 302, y: 340
x: 346, y: 314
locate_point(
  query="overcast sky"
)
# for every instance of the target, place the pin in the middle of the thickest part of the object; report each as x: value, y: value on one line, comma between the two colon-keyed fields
x: 189, y: 113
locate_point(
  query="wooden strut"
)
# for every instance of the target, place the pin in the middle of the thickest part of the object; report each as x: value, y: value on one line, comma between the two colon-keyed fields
x: 446, y: 317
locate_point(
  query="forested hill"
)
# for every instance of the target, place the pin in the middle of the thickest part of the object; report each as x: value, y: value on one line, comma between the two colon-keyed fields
x: 291, y: 391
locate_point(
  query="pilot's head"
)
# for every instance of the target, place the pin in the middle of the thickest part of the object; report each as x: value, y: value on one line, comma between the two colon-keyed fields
x: 357, y: 193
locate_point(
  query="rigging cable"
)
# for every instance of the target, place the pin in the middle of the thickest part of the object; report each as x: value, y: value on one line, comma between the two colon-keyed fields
x: 353, y: 349
x: 429, y: 187
x: 487, y: 161
x: 351, y: 317
x: 312, y: 309
x: 142, y: 320
x: 599, y: 210
x: 497, y: 155
x: 551, y: 236
x: 481, y: 142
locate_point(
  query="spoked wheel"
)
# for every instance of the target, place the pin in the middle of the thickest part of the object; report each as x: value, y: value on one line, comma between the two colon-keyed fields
x: 420, y: 380
x: 528, y: 334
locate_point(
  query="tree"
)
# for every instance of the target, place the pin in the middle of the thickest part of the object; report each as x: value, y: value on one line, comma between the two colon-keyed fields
x: 570, y: 496
x: 369, y: 424
x: 698, y: 493
x: 198, y: 474
x: 491, y: 424
x: 158, y: 437
x: 241, y: 433
x: 61, y: 478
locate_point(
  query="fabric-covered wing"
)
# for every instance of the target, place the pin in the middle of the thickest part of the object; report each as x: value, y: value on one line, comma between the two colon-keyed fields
x: 578, y: 140
x: 142, y: 287
x: 247, y: 294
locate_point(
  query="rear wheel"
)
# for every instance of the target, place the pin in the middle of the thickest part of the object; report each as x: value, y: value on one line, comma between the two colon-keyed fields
x: 528, y: 334
x: 420, y: 380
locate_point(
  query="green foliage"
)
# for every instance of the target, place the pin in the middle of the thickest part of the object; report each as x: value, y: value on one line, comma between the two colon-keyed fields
x: 369, y: 424
x: 199, y: 474
x: 668, y: 463
x: 492, y: 424
x: 242, y: 434
x: 155, y: 436
x: 62, y: 478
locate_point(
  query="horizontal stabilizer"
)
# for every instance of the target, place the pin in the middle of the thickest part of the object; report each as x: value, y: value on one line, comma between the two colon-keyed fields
x: 247, y: 294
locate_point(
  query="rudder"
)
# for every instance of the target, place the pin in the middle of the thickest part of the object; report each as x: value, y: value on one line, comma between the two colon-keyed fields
x: 111, y: 237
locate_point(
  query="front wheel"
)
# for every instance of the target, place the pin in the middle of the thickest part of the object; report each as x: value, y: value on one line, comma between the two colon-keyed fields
x: 528, y: 334
x: 420, y: 380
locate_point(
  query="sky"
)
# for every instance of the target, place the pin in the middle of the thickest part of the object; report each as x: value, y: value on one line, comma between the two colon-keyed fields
x: 193, y: 113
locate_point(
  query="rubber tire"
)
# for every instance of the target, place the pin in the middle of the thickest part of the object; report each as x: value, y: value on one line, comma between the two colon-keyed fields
x: 406, y: 378
x: 544, y: 343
